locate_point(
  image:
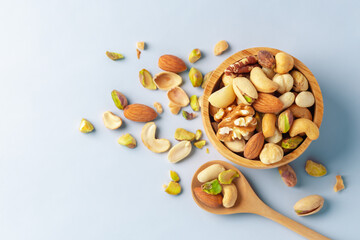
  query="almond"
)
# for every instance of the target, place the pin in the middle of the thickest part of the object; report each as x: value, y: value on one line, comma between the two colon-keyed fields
x: 267, y: 103
x: 254, y: 146
x: 139, y: 113
x: 171, y: 63
x: 213, y: 201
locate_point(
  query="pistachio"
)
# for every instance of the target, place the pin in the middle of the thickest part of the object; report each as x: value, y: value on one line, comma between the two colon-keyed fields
x: 339, y: 185
x: 146, y: 79
x: 200, y: 144
x: 174, y: 176
x: 178, y: 97
x: 210, y: 173
x: 119, y: 99
x: 236, y: 145
x: 213, y: 187
x: 315, y: 169
x: 300, y: 81
x: 167, y: 80
x: 207, y: 150
x: 309, y: 205
x: 305, y: 99
x: 288, y: 175
x: 244, y: 90
x: 227, y: 176
x: 206, y: 78
x: 198, y: 134
x: 111, y: 121
x: 114, y: 56
x: 86, y: 126
x: 188, y: 116
x: 158, y: 107
x: 271, y: 153
x: 140, y: 45
x: 182, y: 134
x: 174, y: 109
x: 173, y: 188
x: 220, y: 47
x: 285, y: 121
x: 195, y: 77
x: 291, y: 143
x: 179, y: 151
x: 127, y: 140
x: 194, y: 103
x: 194, y: 55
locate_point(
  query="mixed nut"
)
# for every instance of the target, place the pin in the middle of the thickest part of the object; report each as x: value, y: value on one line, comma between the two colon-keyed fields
x: 261, y: 110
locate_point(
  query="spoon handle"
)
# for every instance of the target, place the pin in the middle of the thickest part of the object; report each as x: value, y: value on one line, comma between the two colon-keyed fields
x: 306, y: 232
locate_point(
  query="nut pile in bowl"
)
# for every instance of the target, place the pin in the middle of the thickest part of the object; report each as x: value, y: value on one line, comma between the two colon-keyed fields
x: 262, y: 107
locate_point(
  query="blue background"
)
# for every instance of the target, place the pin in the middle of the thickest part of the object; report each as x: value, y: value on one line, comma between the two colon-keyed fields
x: 57, y: 183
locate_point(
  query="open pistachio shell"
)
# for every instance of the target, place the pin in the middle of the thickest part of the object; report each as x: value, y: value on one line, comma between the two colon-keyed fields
x: 167, y: 80
x: 178, y: 97
x: 244, y: 90
x: 309, y: 205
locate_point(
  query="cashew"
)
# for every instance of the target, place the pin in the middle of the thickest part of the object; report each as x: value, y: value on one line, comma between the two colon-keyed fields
x: 236, y: 145
x: 230, y: 195
x: 261, y: 82
x: 303, y: 125
x: 268, y: 125
x: 179, y: 151
x: 223, y: 97
x: 149, y: 140
x: 210, y: 173
x: 111, y: 121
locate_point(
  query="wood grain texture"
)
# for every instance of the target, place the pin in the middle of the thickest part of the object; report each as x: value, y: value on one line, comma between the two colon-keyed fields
x: 249, y: 202
x: 212, y: 83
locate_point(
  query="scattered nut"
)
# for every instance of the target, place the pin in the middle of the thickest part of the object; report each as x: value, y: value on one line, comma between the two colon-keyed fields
x: 182, y: 134
x: 127, y: 140
x: 119, y: 99
x: 171, y: 63
x: 309, y: 205
x: 206, y: 78
x: 140, y: 113
x: 300, y: 112
x: 138, y: 53
x: 230, y: 195
x: 198, y: 134
x: 158, y: 107
x: 227, y: 176
x: 315, y: 169
x: 277, y: 137
x: 291, y: 143
x: 173, y: 188
x: 210, y: 173
x: 167, y: 80
x: 179, y: 151
x: 284, y: 62
x: 149, y: 140
x: 195, y: 77
x: 285, y: 121
x: 303, y: 125
x: 140, y: 45
x: 305, y: 99
x: 288, y: 175
x: 261, y: 82
x: 174, y: 109
x: 213, y: 187
x: 194, y: 103
x: 236, y: 145
x: 194, y: 55
x: 271, y: 153
x: 220, y: 47
x: 285, y: 82
x: 178, y: 97
x: 114, y: 56
x: 266, y: 59
x: 268, y: 124
x: 339, y: 185
x: 223, y: 97
x: 300, y: 81
x: 254, y: 146
x: 146, y: 79
x: 86, y: 126
x: 188, y: 116
x: 111, y: 121
x: 207, y: 150
x: 213, y: 201
x: 174, y: 176
x: 201, y: 100
x: 200, y: 144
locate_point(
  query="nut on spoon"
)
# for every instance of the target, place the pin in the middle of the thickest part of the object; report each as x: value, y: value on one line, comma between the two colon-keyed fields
x: 249, y: 202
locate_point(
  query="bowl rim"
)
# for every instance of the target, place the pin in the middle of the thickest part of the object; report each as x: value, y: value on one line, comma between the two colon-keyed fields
x: 227, y: 153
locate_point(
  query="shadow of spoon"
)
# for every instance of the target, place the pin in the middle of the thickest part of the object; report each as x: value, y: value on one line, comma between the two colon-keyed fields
x: 249, y: 202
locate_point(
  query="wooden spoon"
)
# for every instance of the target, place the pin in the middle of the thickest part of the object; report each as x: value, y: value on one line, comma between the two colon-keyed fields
x: 249, y: 202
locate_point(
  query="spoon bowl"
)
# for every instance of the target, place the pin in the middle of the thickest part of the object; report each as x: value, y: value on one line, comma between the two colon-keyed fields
x: 249, y: 202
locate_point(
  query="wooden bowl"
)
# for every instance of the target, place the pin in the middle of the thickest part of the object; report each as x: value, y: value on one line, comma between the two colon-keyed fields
x: 211, y: 86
